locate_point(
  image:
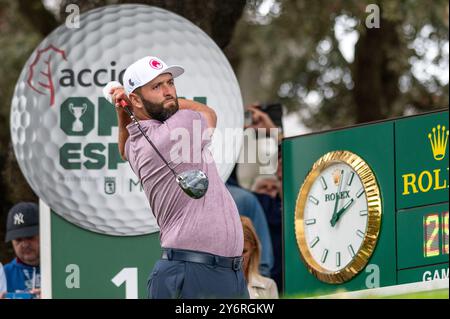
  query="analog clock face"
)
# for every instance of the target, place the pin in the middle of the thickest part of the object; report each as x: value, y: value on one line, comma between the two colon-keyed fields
x: 338, y: 216
x: 335, y: 217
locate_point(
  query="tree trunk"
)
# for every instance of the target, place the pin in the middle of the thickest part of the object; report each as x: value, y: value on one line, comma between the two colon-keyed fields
x: 376, y: 82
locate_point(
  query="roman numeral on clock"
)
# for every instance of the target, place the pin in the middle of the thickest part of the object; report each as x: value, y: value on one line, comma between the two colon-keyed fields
x: 313, y: 200
x: 351, y: 251
x: 324, y: 256
x: 360, y: 234
x: 360, y: 192
x: 350, y: 179
x: 314, y: 242
x: 324, y: 184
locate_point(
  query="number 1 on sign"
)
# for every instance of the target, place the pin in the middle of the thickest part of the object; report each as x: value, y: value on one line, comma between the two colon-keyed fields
x: 129, y: 276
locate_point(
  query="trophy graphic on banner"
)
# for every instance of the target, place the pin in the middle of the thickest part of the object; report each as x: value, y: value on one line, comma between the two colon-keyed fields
x: 77, y: 111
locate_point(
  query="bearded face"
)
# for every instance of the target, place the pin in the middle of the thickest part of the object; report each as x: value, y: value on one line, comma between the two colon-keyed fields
x: 163, y: 110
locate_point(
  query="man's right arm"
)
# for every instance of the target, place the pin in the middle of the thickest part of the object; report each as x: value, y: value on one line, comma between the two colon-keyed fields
x: 122, y: 119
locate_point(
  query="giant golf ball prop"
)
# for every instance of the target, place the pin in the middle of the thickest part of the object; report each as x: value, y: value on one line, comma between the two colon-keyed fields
x: 64, y: 132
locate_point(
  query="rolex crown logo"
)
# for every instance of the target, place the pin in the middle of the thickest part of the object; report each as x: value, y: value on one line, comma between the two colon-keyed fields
x: 336, y: 177
x: 438, y: 140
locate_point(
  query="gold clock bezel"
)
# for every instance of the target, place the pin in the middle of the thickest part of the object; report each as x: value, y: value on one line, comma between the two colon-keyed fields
x: 374, y: 210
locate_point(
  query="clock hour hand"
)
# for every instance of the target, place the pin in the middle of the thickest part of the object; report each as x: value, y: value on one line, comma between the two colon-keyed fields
x: 337, y: 197
x: 338, y: 215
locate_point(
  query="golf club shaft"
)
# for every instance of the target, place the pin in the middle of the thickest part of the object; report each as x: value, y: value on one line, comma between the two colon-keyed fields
x: 133, y: 118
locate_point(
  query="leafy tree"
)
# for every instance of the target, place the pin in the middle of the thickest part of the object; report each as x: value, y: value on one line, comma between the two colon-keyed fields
x: 292, y: 54
x: 17, y: 40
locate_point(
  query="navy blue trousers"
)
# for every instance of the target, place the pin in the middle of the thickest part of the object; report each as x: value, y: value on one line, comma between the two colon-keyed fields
x: 172, y: 279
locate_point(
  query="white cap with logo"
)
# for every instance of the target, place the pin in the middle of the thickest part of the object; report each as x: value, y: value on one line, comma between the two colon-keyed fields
x: 146, y: 69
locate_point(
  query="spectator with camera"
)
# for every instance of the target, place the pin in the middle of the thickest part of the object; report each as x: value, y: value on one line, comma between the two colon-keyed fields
x: 246, y: 202
x: 267, y: 116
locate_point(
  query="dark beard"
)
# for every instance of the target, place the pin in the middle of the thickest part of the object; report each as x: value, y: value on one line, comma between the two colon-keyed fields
x: 158, y: 112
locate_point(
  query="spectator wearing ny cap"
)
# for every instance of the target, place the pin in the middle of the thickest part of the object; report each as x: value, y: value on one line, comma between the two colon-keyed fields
x: 22, y: 229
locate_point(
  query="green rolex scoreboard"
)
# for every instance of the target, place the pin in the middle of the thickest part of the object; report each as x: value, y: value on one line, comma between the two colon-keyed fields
x: 366, y: 206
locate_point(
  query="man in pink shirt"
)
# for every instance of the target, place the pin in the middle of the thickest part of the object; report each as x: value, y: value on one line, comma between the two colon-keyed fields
x: 202, y: 239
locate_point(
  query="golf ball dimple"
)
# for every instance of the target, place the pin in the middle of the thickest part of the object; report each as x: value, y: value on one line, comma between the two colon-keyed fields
x: 63, y: 133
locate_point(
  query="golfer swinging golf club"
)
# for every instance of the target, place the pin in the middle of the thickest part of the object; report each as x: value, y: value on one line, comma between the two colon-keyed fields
x: 201, y: 233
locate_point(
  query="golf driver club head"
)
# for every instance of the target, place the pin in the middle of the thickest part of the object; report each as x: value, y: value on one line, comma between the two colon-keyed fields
x: 194, y: 183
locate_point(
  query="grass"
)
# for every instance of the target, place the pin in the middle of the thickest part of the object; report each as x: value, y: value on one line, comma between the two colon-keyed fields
x: 434, y: 294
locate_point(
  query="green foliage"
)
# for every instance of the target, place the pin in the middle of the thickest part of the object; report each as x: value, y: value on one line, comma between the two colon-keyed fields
x: 293, y: 55
x: 17, y: 40
x: 434, y: 294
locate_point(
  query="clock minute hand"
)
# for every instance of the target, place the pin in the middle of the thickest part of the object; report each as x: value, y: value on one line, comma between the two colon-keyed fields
x: 337, y: 199
x: 342, y: 211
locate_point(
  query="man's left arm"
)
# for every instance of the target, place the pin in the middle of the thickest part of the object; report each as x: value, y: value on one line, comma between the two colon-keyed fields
x: 206, y: 111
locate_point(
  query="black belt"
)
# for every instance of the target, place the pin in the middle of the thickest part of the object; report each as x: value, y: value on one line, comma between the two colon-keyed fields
x: 234, y: 263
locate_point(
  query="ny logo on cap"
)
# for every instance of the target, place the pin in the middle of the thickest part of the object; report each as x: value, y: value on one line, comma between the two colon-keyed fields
x: 155, y: 64
x: 130, y: 82
x: 18, y: 219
